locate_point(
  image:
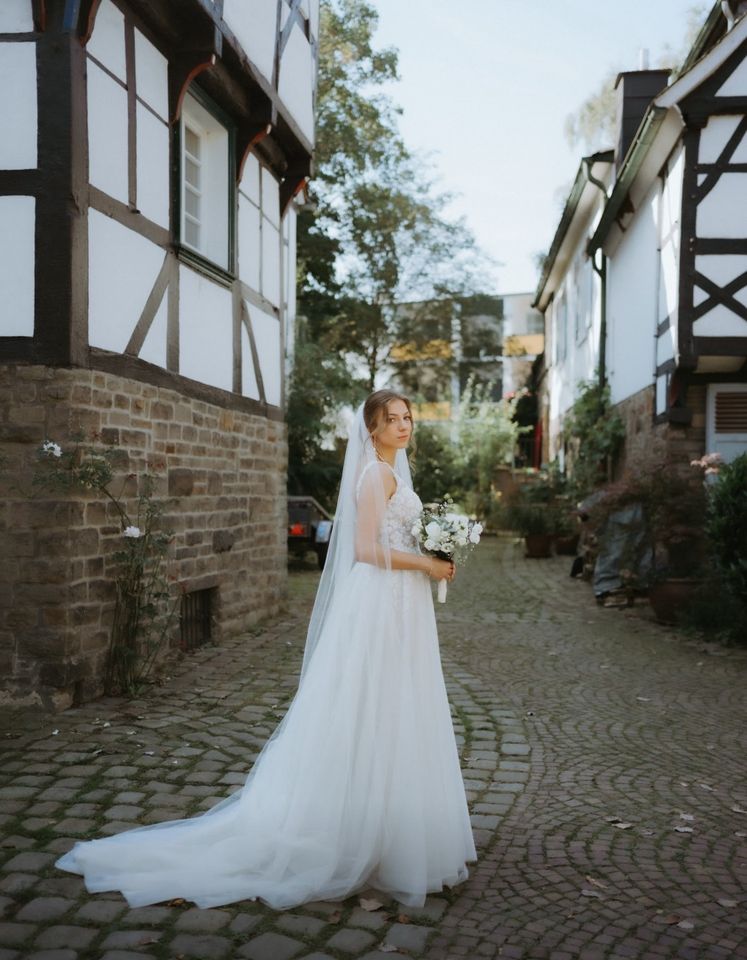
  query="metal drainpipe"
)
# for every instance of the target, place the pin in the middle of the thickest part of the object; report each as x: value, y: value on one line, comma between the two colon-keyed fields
x: 601, y: 271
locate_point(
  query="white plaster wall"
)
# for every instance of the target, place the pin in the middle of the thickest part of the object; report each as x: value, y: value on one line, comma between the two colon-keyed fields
x: 267, y: 338
x: 723, y: 212
x: 670, y: 215
x: 270, y: 197
x: 17, y: 228
x: 249, y: 243
x: 205, y: 330
x: 18, y: 106
x: 633, y: 301
x: 254, y: 22
x: 16, y: 16
x: 665, y: 347
x: 270, y: 262
x: 152, y: 76
x: 314, y: 17
x: 249, y: 386
x: 296, y: 81
x: 736, y: 84
x: 715, y: 135
x: 107, y: 42
x: 289, y: 282
x: 123, y: 266
x: 107, y: 134
x: 720, y: 322
x: 250, y: 179
x: 153, y: 181
x: 154, y: 346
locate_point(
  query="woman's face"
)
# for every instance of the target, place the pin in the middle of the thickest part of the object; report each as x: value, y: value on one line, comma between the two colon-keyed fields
x: 396, y: 428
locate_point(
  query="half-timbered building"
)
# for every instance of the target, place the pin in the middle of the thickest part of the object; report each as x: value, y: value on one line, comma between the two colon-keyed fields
x: 651, y: 258
x: 151, y: 157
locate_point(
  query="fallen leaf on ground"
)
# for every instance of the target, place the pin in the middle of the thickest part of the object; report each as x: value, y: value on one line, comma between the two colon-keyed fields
x: 371, y: 904
x: 737, y: 809
x: 670, y: 918
x: 622, y: 825
x: 388, y: 948
x: 686, y: 925
x: 684, y: 829
x: 591, y: 893
x: 597, y: 883
x: 334, y: 917
x: 403, y: 918
x: 705, y: 786
x: 686, y: 816
x: 727, y: 903
x: 644, y: 699
x: 740, y: 833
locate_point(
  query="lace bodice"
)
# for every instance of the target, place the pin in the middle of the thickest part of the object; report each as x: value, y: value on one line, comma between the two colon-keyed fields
x: 402, y: 510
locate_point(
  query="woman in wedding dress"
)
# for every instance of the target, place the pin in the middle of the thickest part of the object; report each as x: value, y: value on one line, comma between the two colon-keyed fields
x: 360, y: 785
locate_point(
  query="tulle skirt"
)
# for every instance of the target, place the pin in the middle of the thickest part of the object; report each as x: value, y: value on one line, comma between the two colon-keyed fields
x: 360, y: 785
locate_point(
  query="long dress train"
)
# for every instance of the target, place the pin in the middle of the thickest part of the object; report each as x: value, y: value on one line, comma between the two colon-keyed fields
x: 359, y: 787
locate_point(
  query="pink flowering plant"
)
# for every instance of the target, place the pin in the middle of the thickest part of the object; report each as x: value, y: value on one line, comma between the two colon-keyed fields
x: 143, y: 612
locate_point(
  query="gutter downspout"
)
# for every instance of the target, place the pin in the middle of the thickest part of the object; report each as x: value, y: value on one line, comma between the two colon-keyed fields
x: 601, y: 271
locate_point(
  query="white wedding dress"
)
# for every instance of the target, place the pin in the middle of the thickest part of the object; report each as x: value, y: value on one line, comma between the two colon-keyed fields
x: 359, y: 787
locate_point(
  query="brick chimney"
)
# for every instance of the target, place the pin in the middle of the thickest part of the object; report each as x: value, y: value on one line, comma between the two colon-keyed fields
x: 635, y: 91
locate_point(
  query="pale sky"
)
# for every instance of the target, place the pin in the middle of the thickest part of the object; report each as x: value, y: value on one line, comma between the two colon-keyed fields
x: 486, y: 86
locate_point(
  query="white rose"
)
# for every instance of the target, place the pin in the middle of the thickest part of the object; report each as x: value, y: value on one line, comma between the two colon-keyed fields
x: 474, y: 534
x: 54, y: 448
x: 461, y: 541
x: 430, y: 545
x: 132, y: 532
x: 415, y: 531
x: 433, y: 530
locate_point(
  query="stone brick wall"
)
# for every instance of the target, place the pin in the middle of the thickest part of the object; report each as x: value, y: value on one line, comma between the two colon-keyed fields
x: 222, y: 473
x: 646, y: 441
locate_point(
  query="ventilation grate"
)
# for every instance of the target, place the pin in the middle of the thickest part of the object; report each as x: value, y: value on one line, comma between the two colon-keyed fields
x: 196, y: 619
x: 731, y: 412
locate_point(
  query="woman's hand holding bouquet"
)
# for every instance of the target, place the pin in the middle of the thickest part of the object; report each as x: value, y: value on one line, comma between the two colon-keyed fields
x: 446, y: 534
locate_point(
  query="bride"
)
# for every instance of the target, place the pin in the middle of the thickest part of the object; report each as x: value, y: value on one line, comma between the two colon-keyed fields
x: 359, y: 785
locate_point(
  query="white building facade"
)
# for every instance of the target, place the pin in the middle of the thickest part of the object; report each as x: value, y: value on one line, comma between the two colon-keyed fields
x: 150, y: 160
x: 645, y: 286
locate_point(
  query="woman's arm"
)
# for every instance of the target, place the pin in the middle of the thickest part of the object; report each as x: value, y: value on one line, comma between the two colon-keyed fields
x: 376, y: 489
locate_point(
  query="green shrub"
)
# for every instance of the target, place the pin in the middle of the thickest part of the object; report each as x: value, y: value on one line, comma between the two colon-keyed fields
x: 726, y: 528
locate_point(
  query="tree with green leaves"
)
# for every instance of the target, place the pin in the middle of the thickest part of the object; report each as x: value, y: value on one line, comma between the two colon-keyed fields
x: 374, y: 233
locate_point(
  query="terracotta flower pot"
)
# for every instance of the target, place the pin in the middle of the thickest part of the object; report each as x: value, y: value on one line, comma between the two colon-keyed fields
x: 567, y: 546
x: 669, y: 598
x: 538, y: 544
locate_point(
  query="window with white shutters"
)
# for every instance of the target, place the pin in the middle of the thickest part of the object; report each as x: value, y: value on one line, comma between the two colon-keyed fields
x: 726, y: 419
x: 206, y: 181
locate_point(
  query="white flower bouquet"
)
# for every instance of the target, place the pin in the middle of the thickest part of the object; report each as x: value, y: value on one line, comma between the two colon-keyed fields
x: 446, y: 534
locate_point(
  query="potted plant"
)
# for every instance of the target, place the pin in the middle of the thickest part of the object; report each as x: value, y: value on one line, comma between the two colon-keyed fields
x: 533, y: 521
x: 566, y: 531
x: 669, y: 554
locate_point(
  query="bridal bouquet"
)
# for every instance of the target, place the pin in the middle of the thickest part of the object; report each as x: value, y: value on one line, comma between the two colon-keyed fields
x: 446, y: 534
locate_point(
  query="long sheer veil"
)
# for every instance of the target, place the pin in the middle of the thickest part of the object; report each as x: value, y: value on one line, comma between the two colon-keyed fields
x: 358, y: 470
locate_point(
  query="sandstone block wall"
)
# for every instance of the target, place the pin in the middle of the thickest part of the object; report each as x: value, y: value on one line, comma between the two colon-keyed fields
x: 221, y: 474
x: 647, y: 441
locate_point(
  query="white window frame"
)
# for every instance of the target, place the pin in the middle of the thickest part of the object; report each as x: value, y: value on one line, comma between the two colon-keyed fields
x: 729, y: 445
x: 216, y: 217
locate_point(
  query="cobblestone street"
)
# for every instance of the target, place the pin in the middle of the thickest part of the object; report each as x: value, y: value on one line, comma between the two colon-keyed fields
x: 603, y: 754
